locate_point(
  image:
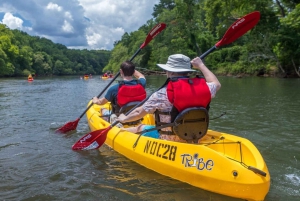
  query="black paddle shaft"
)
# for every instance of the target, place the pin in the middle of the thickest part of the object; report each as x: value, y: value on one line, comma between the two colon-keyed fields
x: 208, y: 52
x: 136, y: 53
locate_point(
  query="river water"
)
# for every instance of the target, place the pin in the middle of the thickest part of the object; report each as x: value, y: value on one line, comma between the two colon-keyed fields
x: 37, y: 164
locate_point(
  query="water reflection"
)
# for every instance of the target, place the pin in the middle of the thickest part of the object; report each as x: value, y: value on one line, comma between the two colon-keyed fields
x: 37, y: 164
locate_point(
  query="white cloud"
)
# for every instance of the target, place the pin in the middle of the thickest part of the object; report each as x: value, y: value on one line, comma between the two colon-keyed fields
x: 99, y: 37
x: 68, y: 15
x: 52, y: 6
x: 91, y: 24
x: 12, y: 22
x: 67, y: 27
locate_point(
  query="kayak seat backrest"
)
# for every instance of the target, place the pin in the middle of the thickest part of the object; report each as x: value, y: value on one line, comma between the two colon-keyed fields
x: 191, y: 124
x: 126, y: 108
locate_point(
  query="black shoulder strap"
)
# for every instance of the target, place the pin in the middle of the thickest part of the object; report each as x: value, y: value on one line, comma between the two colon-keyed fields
x: 174, y: 79
x: 200, y: 77
x: 121, y: 82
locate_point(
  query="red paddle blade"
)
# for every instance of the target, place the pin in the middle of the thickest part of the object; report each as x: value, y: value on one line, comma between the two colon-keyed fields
x: 239, y: 28
x: 154, y: 31
x: 92, y: 140
x: 70, y: 126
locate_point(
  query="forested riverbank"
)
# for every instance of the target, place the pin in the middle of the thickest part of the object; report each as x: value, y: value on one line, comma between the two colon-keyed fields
x: 22, y: 54
x: 271, y: 48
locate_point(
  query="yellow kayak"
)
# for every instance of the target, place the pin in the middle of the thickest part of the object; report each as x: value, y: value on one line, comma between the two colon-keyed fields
x: 30, y: 78
x: 221, y: 163
x: 104, y: 78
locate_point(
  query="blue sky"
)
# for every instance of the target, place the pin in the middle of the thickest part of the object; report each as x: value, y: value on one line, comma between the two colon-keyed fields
x: 90, y: 24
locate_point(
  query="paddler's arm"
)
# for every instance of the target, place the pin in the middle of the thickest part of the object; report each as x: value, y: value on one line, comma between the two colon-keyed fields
x: 108, y: 96
x: 136, y: 114
x: 99, y: 101
x: 209, y: 76
x: 138, y: 75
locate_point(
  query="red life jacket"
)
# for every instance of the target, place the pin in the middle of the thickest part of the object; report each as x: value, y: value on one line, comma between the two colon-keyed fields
x: 130, y: 93
x: 188, y: 92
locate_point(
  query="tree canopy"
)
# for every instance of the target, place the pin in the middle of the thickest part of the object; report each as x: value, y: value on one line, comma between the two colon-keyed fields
x: 272, y: 47
x: 194, y: 26
x: 21, y: 54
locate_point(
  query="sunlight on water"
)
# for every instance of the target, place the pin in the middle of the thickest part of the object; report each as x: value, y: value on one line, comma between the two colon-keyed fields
x: 38, y: 164
x: 55, y: 125
x: 295, y: 179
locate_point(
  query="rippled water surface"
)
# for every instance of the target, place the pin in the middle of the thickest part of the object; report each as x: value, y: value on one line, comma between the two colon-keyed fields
x: 37, y: 164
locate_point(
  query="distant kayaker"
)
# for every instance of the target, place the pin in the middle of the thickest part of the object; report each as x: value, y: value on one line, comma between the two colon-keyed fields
x: 177, y: 67
x: 126, y: 91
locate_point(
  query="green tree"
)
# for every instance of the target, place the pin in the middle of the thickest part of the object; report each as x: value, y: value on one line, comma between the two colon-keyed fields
x: 118, y: 55
x: 58, y: 68
x: 288, y: 46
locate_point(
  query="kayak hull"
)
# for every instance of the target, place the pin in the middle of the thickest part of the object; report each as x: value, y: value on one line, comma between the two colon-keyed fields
x: 221, y: 163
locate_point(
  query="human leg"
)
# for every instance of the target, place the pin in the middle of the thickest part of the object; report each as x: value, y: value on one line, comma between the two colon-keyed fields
x: 105, y: 114
x: 112, y: 120
x: 143, y: 128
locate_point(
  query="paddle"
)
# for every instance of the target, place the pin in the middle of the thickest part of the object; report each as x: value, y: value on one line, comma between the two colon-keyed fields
x: 72, y: 125
x: 236, y: 30
x: 96, y: 138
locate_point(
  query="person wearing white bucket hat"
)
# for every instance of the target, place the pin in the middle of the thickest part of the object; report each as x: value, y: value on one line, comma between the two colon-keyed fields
x: 177, y: 63
x: 177, y: 67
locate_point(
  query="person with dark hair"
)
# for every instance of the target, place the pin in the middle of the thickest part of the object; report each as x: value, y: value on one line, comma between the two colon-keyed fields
x: 180, y: 92
x: 127, y: 90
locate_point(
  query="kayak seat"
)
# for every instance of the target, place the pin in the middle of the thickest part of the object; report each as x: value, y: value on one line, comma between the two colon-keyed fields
x: 191, y: 124
x: 125, y: 108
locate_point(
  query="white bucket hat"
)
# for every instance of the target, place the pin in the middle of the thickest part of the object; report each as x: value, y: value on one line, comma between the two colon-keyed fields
x: 177, y: 63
